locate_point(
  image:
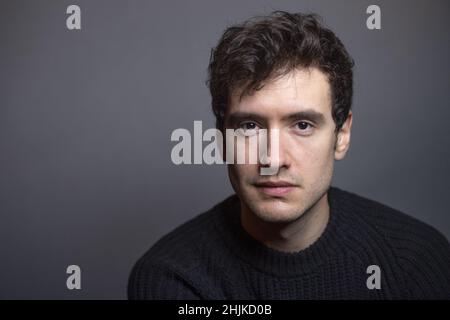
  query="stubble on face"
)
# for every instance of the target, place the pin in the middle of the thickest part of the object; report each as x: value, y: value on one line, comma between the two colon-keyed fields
x: 305, y: 157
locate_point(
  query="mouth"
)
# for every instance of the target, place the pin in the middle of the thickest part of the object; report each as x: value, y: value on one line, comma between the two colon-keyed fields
x: 275, y: 188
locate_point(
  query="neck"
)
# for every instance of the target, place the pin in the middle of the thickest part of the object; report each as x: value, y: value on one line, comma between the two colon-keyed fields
x: 292, y: 236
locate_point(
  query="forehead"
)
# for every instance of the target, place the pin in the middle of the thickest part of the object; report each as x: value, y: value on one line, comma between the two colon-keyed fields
x: 296, y: 91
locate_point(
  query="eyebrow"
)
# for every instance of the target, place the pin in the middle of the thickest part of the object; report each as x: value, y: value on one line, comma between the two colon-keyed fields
x: 308, y: 114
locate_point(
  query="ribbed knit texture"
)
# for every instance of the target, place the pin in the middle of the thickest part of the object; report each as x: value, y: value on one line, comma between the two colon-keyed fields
x: 213, y: 257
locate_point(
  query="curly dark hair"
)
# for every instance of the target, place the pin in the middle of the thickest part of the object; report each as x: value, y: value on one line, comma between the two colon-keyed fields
x: 264, y: 48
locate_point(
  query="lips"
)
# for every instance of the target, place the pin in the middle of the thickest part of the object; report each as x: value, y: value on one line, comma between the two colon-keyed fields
x: 275, y: 188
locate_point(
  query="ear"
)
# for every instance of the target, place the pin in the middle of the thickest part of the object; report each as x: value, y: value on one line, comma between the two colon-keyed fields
x: 342, y: 143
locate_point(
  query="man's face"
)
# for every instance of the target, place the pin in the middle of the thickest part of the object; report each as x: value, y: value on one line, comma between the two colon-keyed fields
x: 299, y: 106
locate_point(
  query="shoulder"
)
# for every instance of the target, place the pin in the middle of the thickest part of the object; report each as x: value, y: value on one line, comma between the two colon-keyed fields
x: 390, y: 223
x: 418, y: 249
x: 171, y: 262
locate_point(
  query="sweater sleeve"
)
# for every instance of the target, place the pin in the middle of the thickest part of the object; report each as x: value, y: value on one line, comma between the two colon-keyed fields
x: 148, y: 282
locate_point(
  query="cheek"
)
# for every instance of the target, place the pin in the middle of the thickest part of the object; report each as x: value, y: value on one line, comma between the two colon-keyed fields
x: 243, y: 173
x: 315, y: 158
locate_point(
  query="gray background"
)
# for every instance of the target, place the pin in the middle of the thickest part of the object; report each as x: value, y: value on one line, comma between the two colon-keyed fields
x: 86, y: 117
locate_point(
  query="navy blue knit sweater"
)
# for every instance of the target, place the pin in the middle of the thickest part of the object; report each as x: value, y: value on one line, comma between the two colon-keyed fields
x: 212, y: 257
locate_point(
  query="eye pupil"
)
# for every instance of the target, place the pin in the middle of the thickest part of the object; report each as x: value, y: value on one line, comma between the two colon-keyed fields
x: 303, y: 125
x: 250, y: 126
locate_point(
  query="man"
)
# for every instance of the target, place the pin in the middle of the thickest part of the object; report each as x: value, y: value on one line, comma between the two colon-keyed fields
x: 290, y: 235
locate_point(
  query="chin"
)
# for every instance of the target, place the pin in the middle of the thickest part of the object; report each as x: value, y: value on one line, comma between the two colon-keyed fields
x: 276, y: 211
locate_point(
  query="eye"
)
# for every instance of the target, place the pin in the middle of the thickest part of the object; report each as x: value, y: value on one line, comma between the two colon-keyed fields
x: 248, y: 128
x: 304, y: 127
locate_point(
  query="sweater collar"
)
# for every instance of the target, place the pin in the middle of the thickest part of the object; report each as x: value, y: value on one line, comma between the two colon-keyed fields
x: 278, y: 263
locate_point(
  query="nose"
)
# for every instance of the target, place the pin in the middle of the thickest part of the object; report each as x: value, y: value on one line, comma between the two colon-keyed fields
x: 277, y: 153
